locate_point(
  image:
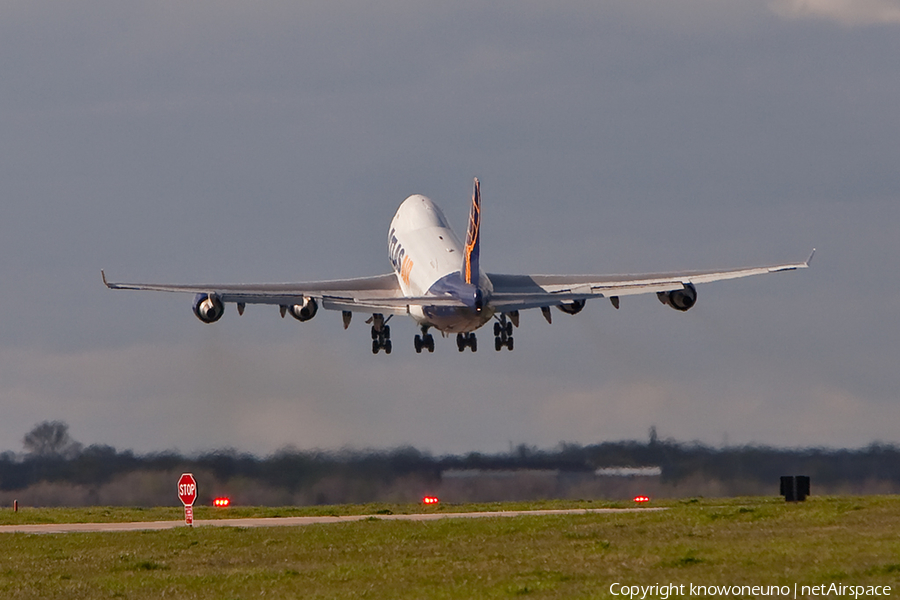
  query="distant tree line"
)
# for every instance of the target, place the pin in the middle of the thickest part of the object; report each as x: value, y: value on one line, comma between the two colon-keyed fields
x: 52, y: 457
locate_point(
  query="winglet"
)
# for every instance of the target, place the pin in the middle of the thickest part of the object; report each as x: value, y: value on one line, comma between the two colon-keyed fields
x: 809, y: 260
x: 103, y: 276
x: 473, y: 237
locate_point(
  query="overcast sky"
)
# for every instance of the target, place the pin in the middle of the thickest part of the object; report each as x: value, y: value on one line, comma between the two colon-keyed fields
x: 267, y: 141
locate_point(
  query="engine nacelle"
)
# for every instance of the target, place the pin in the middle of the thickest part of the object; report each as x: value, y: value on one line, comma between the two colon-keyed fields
x: 305, y: 311
x: 208, y: 307
x: 681, y: 300
x: 572, y: 308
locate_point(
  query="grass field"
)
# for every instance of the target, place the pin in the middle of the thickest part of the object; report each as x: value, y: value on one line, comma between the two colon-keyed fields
x: 746, y: 541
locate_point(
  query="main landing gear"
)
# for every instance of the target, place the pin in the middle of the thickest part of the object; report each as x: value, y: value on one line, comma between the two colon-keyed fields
x: 381, y: 334
x: 503, y: 334
x: 466, y: 339
x: 425, y: 341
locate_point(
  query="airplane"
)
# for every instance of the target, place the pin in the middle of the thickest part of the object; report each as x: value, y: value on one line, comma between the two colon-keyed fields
x: 438, y: 281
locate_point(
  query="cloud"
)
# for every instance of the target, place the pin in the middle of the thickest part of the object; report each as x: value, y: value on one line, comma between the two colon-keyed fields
x: 228, y: 392
x: 272, y: 141
x: 190, y: 397
x: 846, y: 12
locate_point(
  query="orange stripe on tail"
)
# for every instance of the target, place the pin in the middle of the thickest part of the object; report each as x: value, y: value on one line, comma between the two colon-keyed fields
x: 473, y: 236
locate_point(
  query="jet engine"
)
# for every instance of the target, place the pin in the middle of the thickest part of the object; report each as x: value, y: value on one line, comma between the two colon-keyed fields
x: 305, y: 311
x: 208, y: 307
x: 572, y: 308
x: 679, y: 299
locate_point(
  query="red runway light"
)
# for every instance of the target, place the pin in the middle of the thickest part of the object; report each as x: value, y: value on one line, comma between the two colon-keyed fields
x: 430, y: 500
x: 222, y: 502
x: 641, y: 499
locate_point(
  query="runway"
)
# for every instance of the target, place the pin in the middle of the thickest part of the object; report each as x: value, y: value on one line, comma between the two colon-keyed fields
x: 297, y: 521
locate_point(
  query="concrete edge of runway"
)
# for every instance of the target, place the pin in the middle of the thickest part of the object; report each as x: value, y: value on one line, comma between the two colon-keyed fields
x: 299, y: 521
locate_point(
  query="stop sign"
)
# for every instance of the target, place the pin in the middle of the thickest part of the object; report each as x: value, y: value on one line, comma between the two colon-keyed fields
x: 187, y: 489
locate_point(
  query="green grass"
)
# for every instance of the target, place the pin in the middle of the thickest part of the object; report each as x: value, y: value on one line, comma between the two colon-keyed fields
x: 753, y: 541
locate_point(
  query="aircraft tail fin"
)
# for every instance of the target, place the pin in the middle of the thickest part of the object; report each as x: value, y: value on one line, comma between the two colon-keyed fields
x: 473, y: 237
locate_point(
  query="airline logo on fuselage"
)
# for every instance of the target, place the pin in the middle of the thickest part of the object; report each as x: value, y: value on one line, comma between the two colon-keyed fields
x: 399, y: 260
x: 405, y: 271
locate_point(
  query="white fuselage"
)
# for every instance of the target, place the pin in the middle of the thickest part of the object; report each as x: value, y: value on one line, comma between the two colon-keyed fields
x: 425, y: 251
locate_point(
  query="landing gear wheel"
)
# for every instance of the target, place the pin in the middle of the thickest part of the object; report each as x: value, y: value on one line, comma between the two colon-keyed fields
x: 466, y: 339
x: 503, y: 334
x: 424, y: 341
x: 381, y: 334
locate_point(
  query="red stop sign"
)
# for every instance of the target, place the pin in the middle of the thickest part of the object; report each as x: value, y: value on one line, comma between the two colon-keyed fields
x: 187, y: 489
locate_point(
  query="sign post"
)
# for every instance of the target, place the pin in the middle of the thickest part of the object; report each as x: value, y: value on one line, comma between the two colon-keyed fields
x: 187, y: 493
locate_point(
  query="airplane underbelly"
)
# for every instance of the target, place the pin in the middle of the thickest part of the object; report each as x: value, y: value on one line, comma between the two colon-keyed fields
x: 451, y: 319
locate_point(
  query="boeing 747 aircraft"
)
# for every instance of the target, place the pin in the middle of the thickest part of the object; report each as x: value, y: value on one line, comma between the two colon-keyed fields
x: 438, y: 281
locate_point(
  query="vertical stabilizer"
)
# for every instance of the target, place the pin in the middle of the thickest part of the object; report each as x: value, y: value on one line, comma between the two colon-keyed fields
x: 473, y: 237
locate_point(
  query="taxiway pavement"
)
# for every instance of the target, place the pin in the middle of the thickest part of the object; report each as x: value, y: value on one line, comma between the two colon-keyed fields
x: 298, y: 521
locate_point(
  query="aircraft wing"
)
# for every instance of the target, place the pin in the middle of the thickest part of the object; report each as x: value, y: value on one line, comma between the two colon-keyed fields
x: 381, y: 293
x: 518, y: 292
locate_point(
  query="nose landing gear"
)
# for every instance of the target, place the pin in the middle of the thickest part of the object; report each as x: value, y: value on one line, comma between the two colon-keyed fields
x: 503, y: 334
